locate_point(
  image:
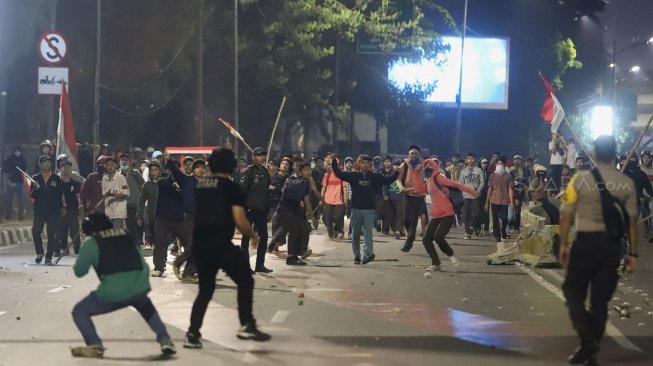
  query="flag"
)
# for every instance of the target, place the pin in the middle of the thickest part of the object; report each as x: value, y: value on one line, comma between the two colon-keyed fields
x: 552, y: 111
x: 66, y: 143
x: 232, y: 130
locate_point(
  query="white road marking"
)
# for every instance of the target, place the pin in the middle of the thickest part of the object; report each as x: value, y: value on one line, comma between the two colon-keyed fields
x: 57, y: 289
x: 3, y: 312
x: 280, y: 317
x: 610, y: 329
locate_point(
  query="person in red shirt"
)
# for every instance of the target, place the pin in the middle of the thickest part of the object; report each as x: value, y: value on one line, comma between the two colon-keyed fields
x: 499, y: 198
x: 333, y: 201
x: 442, y: 213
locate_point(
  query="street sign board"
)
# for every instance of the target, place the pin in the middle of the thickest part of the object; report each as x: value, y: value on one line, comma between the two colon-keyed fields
x: 50, y: 79
x: 52, y: 47
x: 369, y: 44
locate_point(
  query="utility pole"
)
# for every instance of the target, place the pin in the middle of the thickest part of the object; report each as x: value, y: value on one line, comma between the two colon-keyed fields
x: 98, y: 56
x: 199, y: 94
x: 4, y: 5
x: 236, y: 123
x: 459, y: 97
x: 336, y: 95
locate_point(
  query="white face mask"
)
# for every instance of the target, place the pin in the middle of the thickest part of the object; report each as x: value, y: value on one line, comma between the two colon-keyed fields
x: 501, y: 169
x: 17, y: 153
x: 312, y: 165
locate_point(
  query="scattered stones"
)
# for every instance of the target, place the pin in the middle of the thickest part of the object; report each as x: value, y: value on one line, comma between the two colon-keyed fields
x: 427, y: 275
x: 17, y: 318
x: 641, y: 324
x: 465, y: 300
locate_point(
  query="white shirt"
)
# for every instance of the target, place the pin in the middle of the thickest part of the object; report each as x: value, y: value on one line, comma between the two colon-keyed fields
x: 571, y: 155
x: 115, y: 208
x: 556, y: 158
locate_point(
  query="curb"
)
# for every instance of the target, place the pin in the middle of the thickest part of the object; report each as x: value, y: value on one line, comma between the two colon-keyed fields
x: 15, y: 236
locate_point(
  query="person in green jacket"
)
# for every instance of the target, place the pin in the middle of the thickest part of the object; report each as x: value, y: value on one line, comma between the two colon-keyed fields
x: 124, y: 281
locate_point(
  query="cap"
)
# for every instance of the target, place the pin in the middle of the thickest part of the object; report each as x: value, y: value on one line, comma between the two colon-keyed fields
x: 188, y: 158
x: 377, y: 158
x: 110, y: 158
x: 484, y: 160
x: 349, y: 158
x: 362, y: 157
x: 43, y: 158
x: 258, y: 151
x: 101, y: 159
x: 65, y: 162
x: 156, y: 164
x: 198, y: 162
x: 156, y: 154
x: 517, y: 157
x: 124, y: 155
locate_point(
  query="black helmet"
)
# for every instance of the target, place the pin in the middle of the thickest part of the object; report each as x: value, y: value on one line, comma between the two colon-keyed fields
x: 46, y: 143
x: 96, y: 222
x: 646, y: 152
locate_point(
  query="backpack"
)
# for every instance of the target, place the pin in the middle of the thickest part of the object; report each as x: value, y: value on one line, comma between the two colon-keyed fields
x: 294, y: 190
x: 615, y: 217
x: 455, y: 195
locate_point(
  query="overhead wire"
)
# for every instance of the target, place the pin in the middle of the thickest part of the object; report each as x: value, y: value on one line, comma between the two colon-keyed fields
x: 132, y: 25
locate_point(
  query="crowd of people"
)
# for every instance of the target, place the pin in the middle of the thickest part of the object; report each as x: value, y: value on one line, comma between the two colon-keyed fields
x: 188, y: 207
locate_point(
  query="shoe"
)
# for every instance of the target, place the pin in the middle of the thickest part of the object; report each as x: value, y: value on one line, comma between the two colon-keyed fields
x: 263, y: 269
x: 174, y: 254
x: 433, y: 268
x: 251, y: 332
x: 57, y: 254
x: 192, y: 341
x: 294, y: 261
x: 48, y: 261
x: 357, y: 260
x: 368, y: 259
x: 39, y: 258
x: 468, y: 236
x: 88, y: 351
x: 407, y: 247
x: 307, y: 253
x: 156, y: 273
x: 341, y: 236
x: 477, y: 233
x: 397, y: 235
x: 273, y: 248
x: 176, y: 270
x: 454, y: 261
x: 189, y: 279
x: 168, y: 348
x: 585, y: 354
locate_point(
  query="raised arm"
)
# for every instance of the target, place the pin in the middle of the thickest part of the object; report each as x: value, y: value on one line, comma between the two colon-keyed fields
x: 347, y: 177
x: 453, y: 184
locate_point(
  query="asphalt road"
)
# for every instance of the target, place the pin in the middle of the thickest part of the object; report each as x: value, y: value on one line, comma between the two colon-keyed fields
x: 383, y: 313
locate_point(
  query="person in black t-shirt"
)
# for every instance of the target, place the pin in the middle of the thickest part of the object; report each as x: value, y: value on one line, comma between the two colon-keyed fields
x: 220, y: 208
x: 70, y: 221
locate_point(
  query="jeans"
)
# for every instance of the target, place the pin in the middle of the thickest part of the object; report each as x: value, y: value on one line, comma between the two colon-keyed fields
x: 52, y: 221
x: 211, y: 257
x: 91, y: 306
x: 471, y: 209
x: 69, y: 227
x: 413, y: 207
x: 436, y: 231
x: 163, y: 228
x: 259, y: 220
x: 592, y: 265
x: 499, y: 212
x: 362, y: 220
x: 334, y: 219
x: 15, y: 189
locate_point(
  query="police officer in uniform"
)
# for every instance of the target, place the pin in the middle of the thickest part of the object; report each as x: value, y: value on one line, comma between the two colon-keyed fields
x: 220, y: 208
x: 593, y: 261
x: 256, y: 185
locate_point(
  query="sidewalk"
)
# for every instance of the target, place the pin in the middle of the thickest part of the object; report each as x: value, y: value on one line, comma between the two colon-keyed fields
x: 15, y: 232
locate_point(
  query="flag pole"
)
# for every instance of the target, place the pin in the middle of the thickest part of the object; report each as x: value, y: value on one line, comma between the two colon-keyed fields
x: 637, y: 142
x: 579, y: 140
x: 234, y: 132
x: 25, y: 174
x: 274, y: 129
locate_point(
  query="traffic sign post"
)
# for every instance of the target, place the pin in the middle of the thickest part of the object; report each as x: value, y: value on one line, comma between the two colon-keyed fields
x: 50, y: 79
x: 52, y: 48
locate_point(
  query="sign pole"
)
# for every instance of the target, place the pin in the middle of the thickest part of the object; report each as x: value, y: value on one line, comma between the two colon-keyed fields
x: 96, y: 102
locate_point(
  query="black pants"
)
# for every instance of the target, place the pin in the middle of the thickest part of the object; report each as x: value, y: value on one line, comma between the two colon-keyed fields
x: 52, y: 221
x: 396, y: 214
x: 163, y: 228
x: 69, y: 226
x: 483, y: 216
x: 516, y: 216
x: 499, y: 212
x: 259, y: 220
x: 334, y: 219
x: 133, y: 228
x: 187, y: 255
x: 436, y: 231
x: 15, y: 189
x: 294, y: 221
x: 471, y: 209
x: 413, y: 207
x: 556, y: 178
x: 593, y: 265
x: 278, y: 232
x: 211, y: 257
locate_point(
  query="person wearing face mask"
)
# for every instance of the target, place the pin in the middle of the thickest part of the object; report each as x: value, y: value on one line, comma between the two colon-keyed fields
x: 15, y: 182
x: 499, y: 198
x: 91, y: 194
x: 472, y: 177
x: 135, y: 182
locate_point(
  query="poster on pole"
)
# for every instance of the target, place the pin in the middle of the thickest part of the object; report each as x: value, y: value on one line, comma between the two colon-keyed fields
x: 50, y: 78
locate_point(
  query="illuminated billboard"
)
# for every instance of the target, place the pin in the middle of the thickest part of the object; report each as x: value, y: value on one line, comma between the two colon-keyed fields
x: 485, y: 73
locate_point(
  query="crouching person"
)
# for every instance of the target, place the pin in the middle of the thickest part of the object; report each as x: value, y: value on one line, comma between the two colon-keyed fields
x: 124, y: 281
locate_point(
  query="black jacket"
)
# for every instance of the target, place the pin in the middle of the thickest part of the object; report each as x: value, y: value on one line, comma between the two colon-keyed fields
x: 255, y: 184
x: 9, y: 168
x: 48, y: 199
x: 641, y: 181
x: 364, y: 186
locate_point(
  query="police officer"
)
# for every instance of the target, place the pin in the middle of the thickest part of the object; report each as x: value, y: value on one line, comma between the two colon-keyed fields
x: 124, y: 282
x: 256, y: 185
x: 220, y: 207
x: 593, y: 260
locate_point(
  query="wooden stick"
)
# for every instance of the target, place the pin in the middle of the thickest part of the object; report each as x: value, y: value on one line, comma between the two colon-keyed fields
x: 637, y: 142
x: 644, y: 219
x: 587, y: 152
x: 274, y: 129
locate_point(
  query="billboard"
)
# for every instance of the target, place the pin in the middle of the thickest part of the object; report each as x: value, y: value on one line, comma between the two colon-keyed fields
x: 485, y: 73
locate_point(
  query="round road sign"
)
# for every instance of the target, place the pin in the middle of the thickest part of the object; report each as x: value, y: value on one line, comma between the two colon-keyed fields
x: 52, y: 47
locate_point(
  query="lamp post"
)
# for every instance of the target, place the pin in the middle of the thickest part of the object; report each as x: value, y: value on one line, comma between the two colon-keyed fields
x: 459, y: 97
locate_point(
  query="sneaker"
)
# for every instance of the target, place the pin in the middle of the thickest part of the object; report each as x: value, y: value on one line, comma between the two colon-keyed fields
x: 39, y: 258
x: 341, y: 236
x: 156, y: 273
x: 368, y: 259
x: 273, y: 248
x: 168, y: 348
x: 433, y: 268
x: 192, y: 341
x: 294, y: 261
x: 176, y: 270
x: 585, y: 354
x: 48, y: 261
x: 189, y: 279
x: 251, y: 332
x: 307, y: 253
x: 468, y: 236
x: 454, y: 261
x: 263, y: 269
x: 88, y: 351
x: 397, y: 235
x: 407, y: 247
x: 57, y: 254
x: 357, y: 260
x: 477, y: 233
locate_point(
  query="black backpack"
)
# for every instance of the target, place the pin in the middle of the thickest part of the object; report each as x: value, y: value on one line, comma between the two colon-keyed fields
x: 615, y: 217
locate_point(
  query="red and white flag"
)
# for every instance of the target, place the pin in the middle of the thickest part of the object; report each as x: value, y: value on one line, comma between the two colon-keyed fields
x: 552, y: 111
x: 232, y: 130
x: 66, y: 143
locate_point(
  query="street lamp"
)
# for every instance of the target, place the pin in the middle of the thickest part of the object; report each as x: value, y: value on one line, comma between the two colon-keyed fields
x: 635, y: 68
x: 613, y: 66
